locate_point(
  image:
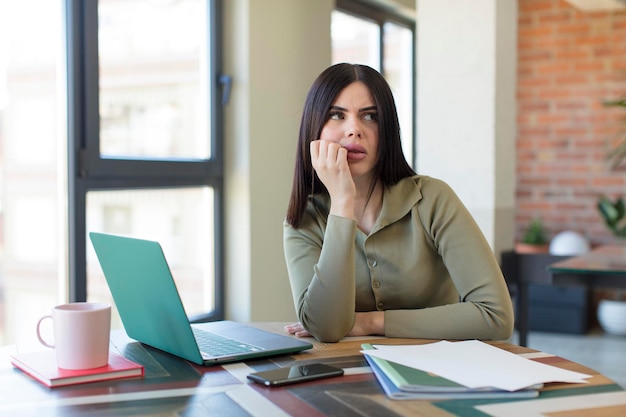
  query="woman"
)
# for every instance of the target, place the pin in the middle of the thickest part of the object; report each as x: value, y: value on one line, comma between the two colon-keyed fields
x: 371, y: 247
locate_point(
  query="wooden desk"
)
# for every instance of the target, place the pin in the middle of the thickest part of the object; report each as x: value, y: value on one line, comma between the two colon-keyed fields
x: 173, y: 387
x: 603, y: 267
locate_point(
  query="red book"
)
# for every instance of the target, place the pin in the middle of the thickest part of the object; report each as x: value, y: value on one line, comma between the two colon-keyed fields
x: 42, y: 366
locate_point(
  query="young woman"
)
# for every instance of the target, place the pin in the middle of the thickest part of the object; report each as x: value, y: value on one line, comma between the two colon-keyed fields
x: 371, y: 247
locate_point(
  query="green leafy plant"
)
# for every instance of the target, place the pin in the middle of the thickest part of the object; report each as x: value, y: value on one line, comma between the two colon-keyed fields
x: 535, y: 233
x: 618, y: 153
x: 614, y: 215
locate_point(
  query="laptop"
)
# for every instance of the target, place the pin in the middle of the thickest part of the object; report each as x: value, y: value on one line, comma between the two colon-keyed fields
x: 152, y: 312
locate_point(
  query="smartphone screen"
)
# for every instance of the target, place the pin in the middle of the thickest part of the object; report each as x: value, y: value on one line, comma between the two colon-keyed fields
x: 293, y: 374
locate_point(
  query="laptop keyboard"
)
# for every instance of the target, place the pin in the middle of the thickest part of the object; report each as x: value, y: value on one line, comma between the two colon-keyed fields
x: 216, y: 345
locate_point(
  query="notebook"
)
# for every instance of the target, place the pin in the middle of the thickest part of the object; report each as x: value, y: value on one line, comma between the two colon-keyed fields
x: 152, y: 312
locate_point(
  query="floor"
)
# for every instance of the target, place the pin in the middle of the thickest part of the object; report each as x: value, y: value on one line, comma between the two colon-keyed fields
x: 596, y: 349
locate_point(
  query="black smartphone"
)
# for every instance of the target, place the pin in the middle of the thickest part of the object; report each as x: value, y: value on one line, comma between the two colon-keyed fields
x: 293, y: 374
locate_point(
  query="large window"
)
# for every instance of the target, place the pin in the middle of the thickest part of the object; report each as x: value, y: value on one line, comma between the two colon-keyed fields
x: 147, y: 140
x: 385, y: 41
x: 32, y: 149
x: 110, y: 116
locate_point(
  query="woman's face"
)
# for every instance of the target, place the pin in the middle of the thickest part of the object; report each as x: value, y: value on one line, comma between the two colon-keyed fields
x: 353, y: 123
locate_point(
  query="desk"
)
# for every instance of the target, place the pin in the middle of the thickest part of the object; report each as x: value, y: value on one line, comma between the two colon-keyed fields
x: 603, y: 267
x: 173, y: 387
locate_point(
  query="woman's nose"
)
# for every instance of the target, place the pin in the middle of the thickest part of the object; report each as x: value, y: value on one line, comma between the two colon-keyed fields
x: 353, y: 129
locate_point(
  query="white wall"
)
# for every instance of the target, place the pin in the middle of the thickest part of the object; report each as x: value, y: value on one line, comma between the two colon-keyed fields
x: 274, y: 49
x: 466, y: 56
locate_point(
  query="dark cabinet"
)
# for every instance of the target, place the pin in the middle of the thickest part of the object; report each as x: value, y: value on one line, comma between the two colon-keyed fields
x: 559, y: 309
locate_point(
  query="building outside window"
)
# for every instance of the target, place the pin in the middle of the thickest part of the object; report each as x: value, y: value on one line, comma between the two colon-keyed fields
x: 31, y: 158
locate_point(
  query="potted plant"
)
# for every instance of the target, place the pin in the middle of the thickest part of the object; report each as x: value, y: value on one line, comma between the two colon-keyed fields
x: 612, y: 311
x: 535, y: 239
x: 614, y: 212
x: 618, y: 153
x: 612, y: 315
x: 614, y: 215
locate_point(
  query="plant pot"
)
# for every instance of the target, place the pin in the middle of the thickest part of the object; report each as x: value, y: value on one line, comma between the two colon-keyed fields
x: 521, y: 247
x: 612, y: 316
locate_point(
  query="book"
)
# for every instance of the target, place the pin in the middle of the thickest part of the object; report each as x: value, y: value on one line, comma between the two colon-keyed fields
x: 42, y: 366
x: 401, y: 382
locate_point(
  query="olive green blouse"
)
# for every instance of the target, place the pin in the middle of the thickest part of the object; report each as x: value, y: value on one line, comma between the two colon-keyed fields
x: 426, y: 264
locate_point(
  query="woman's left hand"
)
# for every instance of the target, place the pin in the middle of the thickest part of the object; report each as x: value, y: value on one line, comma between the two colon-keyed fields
x: 297, y: 329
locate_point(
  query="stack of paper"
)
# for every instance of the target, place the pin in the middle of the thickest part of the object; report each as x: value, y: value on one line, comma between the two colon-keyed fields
x: 469, y: 369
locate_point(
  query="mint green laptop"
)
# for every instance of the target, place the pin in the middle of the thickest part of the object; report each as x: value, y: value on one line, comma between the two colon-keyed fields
x: 151, y: 310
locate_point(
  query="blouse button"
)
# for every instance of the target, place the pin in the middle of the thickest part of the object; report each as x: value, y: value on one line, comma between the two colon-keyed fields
x: 380, y: 306
x: 376, y: 284
x: 373, y: 263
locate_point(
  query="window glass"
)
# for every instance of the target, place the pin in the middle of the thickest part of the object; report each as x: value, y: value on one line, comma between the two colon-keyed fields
x: 154, y: 99
x: 399, y: 74
x: 180, y: 219
x: 32, y: 183
x: 355, y: 40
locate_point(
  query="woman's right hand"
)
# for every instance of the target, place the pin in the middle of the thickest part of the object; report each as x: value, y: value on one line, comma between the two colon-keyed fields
x: 330, y: 162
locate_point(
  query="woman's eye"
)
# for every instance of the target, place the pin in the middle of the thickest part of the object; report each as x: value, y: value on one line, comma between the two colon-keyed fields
x: 335, y: 115
x: 370, y: 117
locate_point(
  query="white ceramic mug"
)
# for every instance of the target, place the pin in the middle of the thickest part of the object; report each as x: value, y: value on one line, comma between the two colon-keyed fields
x: 81, y: 334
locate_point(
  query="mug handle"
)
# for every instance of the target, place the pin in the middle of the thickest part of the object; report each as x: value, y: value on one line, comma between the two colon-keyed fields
x: 43, y: 342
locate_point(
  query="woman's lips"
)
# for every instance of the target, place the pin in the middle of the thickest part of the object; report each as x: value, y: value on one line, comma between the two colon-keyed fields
x: 355, y: 152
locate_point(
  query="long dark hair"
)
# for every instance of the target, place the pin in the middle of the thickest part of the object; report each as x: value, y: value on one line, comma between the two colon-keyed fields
x: 391, y: 165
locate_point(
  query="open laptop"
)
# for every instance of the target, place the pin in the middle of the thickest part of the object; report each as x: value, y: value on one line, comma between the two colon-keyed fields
x: 152, y: 312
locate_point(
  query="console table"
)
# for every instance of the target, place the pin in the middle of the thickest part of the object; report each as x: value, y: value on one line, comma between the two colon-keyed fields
x: 603, y: 267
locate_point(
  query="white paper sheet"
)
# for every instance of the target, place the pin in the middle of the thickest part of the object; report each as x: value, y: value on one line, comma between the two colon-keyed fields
x: 604, y: 404
x: 476, y: 364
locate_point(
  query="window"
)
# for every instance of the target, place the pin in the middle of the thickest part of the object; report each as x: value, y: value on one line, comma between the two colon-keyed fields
x: 110, y: 121
x: 384, y: 40
x: 32, y: 149
x: 146, y: 140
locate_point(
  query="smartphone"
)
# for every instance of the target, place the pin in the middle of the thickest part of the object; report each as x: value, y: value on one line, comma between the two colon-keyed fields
x: 293, y: 374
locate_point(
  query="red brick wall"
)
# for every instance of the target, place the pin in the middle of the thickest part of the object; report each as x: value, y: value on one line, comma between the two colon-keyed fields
x: 569, y: 62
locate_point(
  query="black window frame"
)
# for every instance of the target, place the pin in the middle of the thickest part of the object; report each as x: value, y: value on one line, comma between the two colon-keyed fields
x: 89, y: 171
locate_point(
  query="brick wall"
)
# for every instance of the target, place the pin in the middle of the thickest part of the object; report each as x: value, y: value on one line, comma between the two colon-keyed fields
x: 569, y: 62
